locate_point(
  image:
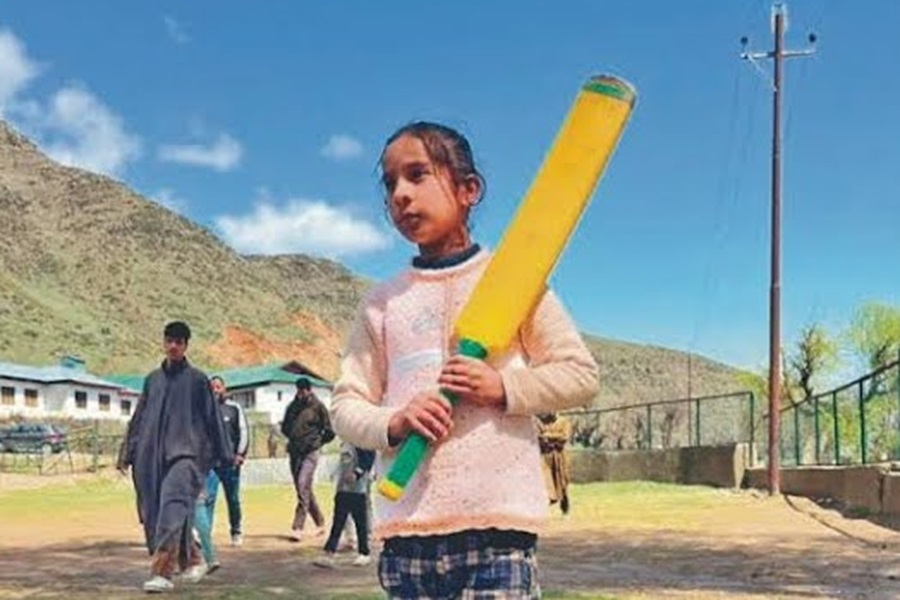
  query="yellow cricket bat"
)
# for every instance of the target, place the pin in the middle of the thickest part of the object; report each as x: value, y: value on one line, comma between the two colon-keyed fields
x: 516, y: 277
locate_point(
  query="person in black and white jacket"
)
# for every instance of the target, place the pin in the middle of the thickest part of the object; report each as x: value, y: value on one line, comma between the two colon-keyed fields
x: 236, y: 427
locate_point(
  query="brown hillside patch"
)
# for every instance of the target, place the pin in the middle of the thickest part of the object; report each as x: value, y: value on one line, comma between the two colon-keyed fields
x: 238, y: 347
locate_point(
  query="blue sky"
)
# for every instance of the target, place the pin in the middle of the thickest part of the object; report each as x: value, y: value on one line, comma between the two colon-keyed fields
x: 264, y: 121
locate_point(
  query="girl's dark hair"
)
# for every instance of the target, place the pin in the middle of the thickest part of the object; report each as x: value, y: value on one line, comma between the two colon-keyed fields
x: 446, y: 148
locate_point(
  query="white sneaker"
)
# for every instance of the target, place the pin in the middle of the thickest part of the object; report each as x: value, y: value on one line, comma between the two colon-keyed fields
x: 362, y: 560
x: 196, y: 573
x: 326, y: 561
x: 237, y: 540
x: 213, y: 567
x: 158, y: 584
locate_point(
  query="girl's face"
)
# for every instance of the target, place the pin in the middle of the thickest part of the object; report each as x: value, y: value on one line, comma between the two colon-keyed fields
x: 427, y: 208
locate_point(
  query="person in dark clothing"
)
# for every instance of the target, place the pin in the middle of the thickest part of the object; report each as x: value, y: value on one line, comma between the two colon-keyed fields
x: 235, y: 423
x: 174, y: 438
x: 307, y: 428
x: 351, y: 499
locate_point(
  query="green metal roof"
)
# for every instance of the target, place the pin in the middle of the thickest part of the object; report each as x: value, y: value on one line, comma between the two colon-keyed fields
x: 243, y: 377
x: 135, y: 383
x: 263, y: 374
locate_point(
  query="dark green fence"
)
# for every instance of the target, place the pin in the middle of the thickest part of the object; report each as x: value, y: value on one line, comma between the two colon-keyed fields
x: 856, y: 423
x: 702, y: 421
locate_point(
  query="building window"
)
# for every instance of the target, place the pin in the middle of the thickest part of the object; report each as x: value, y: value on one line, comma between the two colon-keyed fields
x: 81, y: 400
x: 125, y: 408
x: 31, y: 398
x: 7, y: 396
x: 104, y: 403
x: 246, y: 399
x: 279, y: 395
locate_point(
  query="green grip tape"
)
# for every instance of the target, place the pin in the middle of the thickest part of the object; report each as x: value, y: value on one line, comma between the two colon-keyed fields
x: 414, y: 448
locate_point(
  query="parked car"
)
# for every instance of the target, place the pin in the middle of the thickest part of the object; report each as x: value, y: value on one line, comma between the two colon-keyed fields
x: 33, y: 438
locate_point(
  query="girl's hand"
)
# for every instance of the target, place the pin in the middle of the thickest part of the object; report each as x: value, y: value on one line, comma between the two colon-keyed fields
x: 473, y: 381
x: 428, y: 414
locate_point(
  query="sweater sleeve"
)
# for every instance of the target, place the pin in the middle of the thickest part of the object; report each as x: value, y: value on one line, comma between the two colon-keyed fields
x: 561, y: 373
x: 356, y: 411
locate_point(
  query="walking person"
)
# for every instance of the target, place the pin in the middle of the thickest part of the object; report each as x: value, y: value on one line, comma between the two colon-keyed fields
x: 174, y: 438
x: 235, y: 423
x: 307, y: 427
x: 351, y: 499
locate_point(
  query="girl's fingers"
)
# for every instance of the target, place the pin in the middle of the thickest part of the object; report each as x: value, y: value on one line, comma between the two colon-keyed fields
x: 432, y: 419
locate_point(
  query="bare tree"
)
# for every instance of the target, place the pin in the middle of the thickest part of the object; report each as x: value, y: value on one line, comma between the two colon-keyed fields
x: 814, y: 357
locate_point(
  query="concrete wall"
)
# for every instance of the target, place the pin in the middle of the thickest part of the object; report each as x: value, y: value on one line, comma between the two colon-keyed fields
x: 873, y: 487
x: 720, y: 466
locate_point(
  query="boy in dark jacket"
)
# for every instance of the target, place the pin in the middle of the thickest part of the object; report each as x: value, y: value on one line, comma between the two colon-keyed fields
x: 307, y: 428
x: 235, y: 422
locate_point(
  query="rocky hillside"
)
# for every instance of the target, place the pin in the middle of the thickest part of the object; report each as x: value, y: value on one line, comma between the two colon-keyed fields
x: 87, y: 266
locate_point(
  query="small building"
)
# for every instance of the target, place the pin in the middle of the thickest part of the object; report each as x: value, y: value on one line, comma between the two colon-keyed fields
x: 270, y: 388
x: 65, y: 390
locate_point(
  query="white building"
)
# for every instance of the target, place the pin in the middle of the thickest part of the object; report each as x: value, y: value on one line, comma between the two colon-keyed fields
x: 270, y: 388
x: 65, y: 390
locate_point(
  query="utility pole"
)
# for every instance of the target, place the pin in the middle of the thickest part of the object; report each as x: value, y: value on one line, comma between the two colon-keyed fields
x: 778, y: 54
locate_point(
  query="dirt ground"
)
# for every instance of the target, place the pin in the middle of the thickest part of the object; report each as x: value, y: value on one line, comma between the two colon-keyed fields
x: 623, y: 543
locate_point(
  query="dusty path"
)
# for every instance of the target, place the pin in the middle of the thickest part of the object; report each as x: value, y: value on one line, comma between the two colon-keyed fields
x: 622, y: 541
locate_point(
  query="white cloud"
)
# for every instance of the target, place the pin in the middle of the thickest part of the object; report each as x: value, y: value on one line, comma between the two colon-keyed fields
x: 17, y: 70
x: 166, y: 197
x: 342, y: 147
x: 78, y: 130
x: 223, y: 155
x: 301, y: 226
x: 176, y: 30
x: 73, y: 127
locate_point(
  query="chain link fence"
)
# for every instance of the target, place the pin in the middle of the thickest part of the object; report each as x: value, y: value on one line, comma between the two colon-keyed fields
x: 93, y: 446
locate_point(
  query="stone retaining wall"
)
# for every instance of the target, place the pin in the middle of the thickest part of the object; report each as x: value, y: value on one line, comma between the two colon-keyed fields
x: 875, y: 488
x: 720, y: 466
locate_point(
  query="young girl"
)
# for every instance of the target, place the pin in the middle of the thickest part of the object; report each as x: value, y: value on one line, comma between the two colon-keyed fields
x: 467, y: 523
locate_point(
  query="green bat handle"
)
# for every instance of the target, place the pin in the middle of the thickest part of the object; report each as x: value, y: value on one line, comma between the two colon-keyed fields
x: 414, y: 448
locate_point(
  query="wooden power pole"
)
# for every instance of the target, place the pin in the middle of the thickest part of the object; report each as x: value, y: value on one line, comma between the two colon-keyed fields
x: 778, y: 55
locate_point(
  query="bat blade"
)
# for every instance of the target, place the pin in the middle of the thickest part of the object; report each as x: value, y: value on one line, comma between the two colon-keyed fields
x: 516, y: 277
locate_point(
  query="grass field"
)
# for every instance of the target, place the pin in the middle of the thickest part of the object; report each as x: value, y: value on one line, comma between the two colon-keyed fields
x: 625, y: 541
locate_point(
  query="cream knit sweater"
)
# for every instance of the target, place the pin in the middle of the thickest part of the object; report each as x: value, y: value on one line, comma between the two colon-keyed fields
x: 487, y: 473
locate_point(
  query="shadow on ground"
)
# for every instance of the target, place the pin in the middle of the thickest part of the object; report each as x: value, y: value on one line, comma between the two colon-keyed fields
x: 664, y: 564
x: 573, y: 564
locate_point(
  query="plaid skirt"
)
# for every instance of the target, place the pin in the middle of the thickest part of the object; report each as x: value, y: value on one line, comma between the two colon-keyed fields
x: 469, y: 565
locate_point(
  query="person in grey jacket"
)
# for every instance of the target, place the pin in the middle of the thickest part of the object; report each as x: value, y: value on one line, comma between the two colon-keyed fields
x: 351, y: 499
